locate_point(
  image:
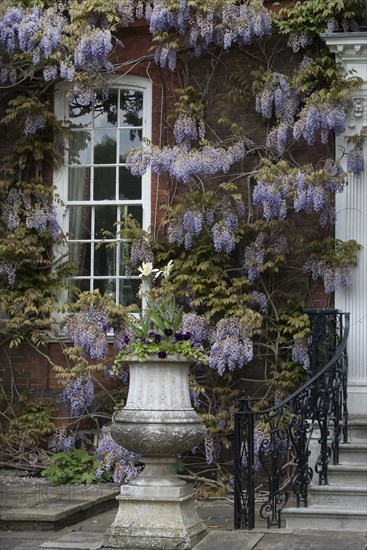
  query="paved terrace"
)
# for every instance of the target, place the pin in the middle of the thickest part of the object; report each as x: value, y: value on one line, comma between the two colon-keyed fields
x: 35, y: 516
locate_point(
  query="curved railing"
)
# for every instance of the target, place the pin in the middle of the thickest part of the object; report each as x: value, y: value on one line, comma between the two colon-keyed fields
x: 272, y: 446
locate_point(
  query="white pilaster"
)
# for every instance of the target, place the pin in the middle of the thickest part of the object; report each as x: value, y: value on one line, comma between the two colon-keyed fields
x: 351, y: 206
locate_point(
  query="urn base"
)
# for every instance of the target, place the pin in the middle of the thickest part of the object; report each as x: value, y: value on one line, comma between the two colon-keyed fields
x: 156, y: 512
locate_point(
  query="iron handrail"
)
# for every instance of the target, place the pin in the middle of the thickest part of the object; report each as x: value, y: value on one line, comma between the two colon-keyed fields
x: 339, y: 352
x: 317, y: 404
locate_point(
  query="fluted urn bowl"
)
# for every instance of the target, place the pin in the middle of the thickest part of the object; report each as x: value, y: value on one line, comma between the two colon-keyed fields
x: 158, y: 418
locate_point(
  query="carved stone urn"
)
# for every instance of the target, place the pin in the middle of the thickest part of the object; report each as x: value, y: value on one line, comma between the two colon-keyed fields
x: 156, y: 510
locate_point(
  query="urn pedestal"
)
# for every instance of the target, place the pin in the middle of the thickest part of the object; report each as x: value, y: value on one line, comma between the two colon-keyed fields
x: 156, y: 510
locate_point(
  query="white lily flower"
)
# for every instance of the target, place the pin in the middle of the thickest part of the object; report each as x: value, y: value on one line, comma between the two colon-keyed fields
x: 146, y: 269
x: 167, y: 269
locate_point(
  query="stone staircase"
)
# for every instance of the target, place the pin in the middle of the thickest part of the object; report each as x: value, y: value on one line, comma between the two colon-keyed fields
x: 342, y: 504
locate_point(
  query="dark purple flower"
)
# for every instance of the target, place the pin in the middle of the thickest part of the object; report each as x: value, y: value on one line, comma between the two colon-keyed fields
x: 178, y: 336
x: 157, y: 338
x: 168, y: 331
x: 186, y: 336
x: 162, y: 354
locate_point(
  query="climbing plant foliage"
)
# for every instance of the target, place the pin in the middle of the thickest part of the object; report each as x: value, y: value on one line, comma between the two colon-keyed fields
x: 248, y: 223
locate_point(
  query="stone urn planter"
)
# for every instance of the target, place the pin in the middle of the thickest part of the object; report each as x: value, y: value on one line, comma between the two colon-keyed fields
x: 156, y: 510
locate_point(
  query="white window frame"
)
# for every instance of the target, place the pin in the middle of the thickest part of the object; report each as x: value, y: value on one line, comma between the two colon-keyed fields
x: 60, y: 179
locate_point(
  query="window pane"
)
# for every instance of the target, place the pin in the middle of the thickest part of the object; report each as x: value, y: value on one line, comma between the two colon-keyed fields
x: 80, y: 148
x: 105, y: 219
x: 105, y: 147
x: 128, y: 139
x: 129, y: 289
x: 105, y: 259
x: 80, y: 254
x: 79, y: 184
x: 129, y: 185
x: 105, y: 286
x: 135, y: 211
x: 124, y: 250
x: 104, y: 184
x: 82, y: 284
x: 79, y: 115
x: 131, y: 108
x: 79, y: 222
x: 105, y: 111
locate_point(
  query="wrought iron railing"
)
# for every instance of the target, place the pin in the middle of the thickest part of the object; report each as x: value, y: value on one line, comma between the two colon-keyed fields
x: 272, y: 446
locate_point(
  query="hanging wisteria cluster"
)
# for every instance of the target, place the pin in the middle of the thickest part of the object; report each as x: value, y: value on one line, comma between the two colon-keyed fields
x: 88, y: 331
x: 182, y: 163
x: 123, y: 464
x: 318, y: 118
x: 355, y: 162
x: 197, y: 326
x: 35, y: 211
x: 79, y: 394
x: 232, y: 347
x: 211, y: 447
x: 278, y: 98
x: 277, y: 186
x: 300, y: 354
x: 45, y: 33
x: 334, y: 277
x: 140, y: 252
x: 221, y: 24
x: 64, y: 441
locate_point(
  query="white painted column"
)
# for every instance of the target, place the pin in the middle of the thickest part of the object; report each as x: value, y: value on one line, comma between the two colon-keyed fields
x: 351, y: 206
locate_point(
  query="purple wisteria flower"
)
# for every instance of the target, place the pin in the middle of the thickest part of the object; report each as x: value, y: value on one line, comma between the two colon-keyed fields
x: 93, y: 49
x: 232, y: 346
x: 258, y: 300
x: 272, y: 198
x: 212, y: 448
x: 33, y: 124
x: 333, y: 277
x: 9, y: 270
x: 64, y: 441
x: 175, y: 234
x: 11, y: 209
x: 187, y: 129
x: 280, y: 138
x: 300, y: 354
x: 192, y: 223
x: 140, y: 252
x: 355, y: 162
x: 88, y: 333
x: 79, y: 394
x: 116, y: 459
x: 298, y: 41
x: 195, y: 398
x: 183, y: 163
x: 254, y: 255
x: 196, y: 325
x: 232, y: 25
x: 318, y: 120
x: 223, y: 238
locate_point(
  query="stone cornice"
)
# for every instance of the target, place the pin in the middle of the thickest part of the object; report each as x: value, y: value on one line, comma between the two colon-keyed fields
x: 351, y: 49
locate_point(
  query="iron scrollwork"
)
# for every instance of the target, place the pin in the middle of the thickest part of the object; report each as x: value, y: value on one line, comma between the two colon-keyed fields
x: 273, y: 445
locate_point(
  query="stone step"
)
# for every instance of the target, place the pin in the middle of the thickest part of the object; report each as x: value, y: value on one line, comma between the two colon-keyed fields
x: 338, y: 495
x: 357, y: 428
x: 353, y: 453
x: 326, y: 517
x: 347, y: 474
